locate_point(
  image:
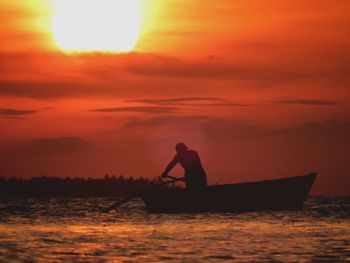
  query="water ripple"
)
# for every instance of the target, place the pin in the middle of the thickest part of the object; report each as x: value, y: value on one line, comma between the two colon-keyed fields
x: 74, y: 230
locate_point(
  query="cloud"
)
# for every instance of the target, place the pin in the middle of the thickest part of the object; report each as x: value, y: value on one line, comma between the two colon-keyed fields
x: 233, y: 71
x: 42, y: 88
x: 175, y: 101
x: 220, y: 129
x: 58, y: 145
x: 142, y: 109
x: 14, y: 118
x: 208, y: 70
x: 301, y: 101
x: 190, y: 101
x: 15, y: 114
x: 227, y: 129
x: 215, y: 128
x: 222, y: 104
x: 165, y: 121
x: 53, y: 75
x: 330, y: 130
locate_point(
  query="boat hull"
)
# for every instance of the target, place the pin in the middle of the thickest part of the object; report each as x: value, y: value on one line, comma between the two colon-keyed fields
x: 281, y: 194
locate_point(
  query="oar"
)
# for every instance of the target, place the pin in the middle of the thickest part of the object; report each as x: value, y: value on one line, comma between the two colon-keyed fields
x: 176, y: 178
x: 130, y: 197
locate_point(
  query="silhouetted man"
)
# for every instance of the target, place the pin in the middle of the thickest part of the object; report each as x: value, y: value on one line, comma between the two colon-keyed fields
x: 195, y: 177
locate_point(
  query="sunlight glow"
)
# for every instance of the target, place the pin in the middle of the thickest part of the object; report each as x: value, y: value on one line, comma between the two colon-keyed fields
x: 96, y: 25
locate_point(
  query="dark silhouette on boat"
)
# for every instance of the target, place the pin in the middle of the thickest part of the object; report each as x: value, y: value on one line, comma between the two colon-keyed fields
x: 195, y: 177
x: 281, y: 194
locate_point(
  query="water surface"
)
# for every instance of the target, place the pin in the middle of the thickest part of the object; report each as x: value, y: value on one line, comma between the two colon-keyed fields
x: 73, y: 230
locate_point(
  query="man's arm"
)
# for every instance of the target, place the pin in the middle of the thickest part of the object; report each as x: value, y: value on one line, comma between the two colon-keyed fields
x: 170, y: 166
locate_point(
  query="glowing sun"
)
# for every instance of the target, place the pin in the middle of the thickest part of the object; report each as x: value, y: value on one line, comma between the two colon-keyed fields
x: 96, y: 25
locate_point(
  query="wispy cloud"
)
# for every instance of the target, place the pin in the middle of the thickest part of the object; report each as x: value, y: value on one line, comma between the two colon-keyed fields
x: 214, y: 71
x: 15, y: 113
x: 165, y: 121
x: 190, y: 101
x: 14, y: 118
x: 302, y: 101
x: 337, y: 130
x: 175, y: 101
x: 141, y: 109
x: 56, y: 145
x: 215, y: 128
x: 55, y: 76
x: 222, y: 104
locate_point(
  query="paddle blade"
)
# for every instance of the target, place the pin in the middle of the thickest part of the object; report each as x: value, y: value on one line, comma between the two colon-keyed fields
x: 117, y: 204
x: 130, y: 197
x: 106, y: 210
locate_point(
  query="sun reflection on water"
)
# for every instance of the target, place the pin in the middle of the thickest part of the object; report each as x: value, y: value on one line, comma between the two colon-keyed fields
x: 76, y: 231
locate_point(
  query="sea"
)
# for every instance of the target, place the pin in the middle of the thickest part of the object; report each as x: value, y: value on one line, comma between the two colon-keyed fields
x: 74, y: 230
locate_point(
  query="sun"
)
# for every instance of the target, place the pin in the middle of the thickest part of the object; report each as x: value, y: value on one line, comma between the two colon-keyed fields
x: 96, y: 25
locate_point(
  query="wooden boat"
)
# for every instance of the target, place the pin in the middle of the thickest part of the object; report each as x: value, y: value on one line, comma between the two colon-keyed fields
x: 281, y: 194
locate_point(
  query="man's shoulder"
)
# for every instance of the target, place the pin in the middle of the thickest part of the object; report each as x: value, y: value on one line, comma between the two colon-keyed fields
x: 193, y: 152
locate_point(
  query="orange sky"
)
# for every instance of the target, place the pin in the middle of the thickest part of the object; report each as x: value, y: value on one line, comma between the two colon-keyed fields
x: 259, y: 88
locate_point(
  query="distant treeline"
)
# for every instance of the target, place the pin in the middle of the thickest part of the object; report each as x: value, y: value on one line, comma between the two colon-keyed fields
x: 72, y: 187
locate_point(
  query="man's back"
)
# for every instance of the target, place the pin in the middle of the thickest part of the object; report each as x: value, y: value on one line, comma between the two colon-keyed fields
x: 189, y: 160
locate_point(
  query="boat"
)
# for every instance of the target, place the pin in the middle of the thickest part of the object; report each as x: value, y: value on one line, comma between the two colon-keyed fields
x: 279, y: 194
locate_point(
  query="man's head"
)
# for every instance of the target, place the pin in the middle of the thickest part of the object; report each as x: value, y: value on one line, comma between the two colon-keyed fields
x: 181, y: 147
